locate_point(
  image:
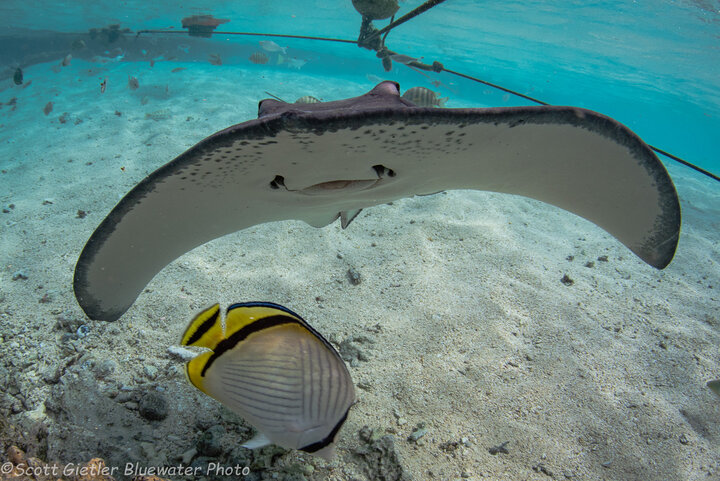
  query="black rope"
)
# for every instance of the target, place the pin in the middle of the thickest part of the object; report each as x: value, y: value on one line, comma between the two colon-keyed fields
x: 436, y: 67
x: 489, y: 84
x: 305, y: 37
x: 656, y: 149
x: 685, y: 163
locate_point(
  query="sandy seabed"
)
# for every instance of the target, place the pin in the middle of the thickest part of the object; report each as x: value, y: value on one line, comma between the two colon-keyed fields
x: 461, y: 315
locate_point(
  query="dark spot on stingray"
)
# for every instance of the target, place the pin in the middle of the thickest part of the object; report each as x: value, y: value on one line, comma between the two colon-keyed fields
x: 515, y: 123
x: 244, y: 142
x: 450, y: 132
x: 368, y: 131
x: 424, y: 127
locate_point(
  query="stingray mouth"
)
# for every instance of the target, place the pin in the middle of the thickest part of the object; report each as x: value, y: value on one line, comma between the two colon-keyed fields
x: 336, y: 186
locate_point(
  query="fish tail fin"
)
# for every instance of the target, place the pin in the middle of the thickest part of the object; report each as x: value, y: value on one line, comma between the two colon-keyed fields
x: 441, y: 102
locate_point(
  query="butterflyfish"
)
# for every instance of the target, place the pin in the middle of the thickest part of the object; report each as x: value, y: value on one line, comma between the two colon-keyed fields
x: 276, y: 371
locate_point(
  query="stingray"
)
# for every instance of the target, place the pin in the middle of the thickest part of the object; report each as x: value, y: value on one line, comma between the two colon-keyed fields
x: 324, y: 161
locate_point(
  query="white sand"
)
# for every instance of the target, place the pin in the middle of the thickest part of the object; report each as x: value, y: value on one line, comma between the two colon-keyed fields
x: 478, y: 338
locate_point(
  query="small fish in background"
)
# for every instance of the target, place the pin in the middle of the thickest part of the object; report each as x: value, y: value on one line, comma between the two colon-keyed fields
x: 373, y: 78
x: 18, y: 76
x: 308, y: 99
x: 423, y: 97
x: 133, y: 83
x: 259, y: 58
x: 56, y: 68
x: 152, y: 62
x: 78, y: 44
x: 184, y: 47
x: 214, y: 59
x: 270, y: 46
x: 296, y: 63
x: 714, y: 386
x: 48, y: 108
x: 403, y: 59
x: 103, y: 85
x: 66, y: 61
x: 273, y: 369
x: 178, y: 69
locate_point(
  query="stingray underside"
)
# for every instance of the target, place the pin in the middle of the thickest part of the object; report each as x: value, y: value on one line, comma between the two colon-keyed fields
x: 315, y: 165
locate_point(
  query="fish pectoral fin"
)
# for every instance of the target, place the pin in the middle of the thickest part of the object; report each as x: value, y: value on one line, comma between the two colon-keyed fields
x: 257, y: 441
x: 348, y: 216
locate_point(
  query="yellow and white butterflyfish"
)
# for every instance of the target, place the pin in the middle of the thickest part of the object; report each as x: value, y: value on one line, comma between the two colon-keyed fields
x: 276, y: 371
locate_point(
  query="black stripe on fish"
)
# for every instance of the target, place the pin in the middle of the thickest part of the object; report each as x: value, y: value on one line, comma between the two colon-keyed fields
x: 242, y: 334
x: 327, y: 440
x: 203, y: 328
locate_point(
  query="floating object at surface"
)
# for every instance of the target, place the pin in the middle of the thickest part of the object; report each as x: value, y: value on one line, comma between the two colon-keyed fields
x: 202, y: 25
x: 376, y: 9
x: 276, y: 371
x: 318, y: 162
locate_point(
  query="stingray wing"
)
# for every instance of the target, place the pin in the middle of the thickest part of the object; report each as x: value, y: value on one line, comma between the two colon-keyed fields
x: 312, y: 165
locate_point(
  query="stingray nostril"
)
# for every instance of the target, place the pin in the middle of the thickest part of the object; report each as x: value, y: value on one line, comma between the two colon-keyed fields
x: 381, y: 170
x: 277, y: 182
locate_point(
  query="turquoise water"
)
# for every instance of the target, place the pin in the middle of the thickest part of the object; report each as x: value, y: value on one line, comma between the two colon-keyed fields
x: 477, y: 331
x: 654, y: 66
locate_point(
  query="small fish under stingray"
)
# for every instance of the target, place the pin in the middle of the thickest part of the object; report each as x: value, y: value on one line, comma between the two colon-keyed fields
x: 273, y: 369
x: 424, y: 97
x: 323, y: 161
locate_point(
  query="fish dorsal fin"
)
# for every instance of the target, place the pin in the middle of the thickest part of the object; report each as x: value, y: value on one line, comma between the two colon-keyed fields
x: 205, y: 330
x: 244, y: 314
